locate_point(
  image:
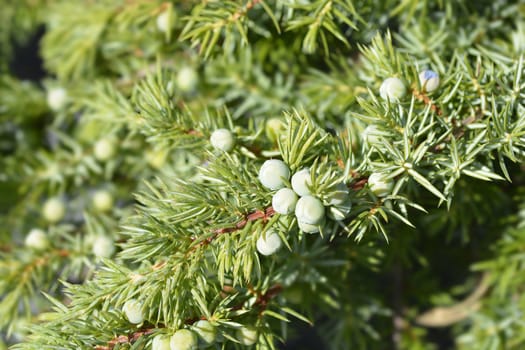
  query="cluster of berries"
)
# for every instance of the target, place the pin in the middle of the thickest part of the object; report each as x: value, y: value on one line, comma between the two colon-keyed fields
x: 54, y: 210
x: 309, y: 210
x: 394, y: 89
x: 202, y: 334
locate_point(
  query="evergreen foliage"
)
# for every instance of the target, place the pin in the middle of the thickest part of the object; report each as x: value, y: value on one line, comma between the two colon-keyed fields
x: 128, y: 222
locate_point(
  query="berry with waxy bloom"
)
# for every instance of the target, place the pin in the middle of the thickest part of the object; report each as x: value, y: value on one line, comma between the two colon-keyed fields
x: 274, y: 174
x: 269, y: 243
x: 222, y: 139
x: 309, y: 210
x: 392, y: 89
x: 379, y: 184
x: 133, y: 311
x: 37, y: 239
x: 301, y: 181
x: 284, y: 201
x: 429, y: 80
x: 247, y: 335
x: 184, y: 339
x: 54, y: 210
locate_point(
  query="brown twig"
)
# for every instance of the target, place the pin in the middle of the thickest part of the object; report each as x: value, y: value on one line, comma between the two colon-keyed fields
x: 359, y: 184
x: 426, y: 100
x: 263, y: 299
x: 458, y: 130
x: 44, y: 260
x: 5, y: 248
x: 125, y: 339
x: 249, y: 5
x: 256, y: 215
x: 194, y: 132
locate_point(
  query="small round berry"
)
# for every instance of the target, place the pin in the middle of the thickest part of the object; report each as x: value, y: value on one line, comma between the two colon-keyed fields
x: 156, y: 158
x: 137, y: 278
x: 301, y: 181
x: 308, y: 228
x: 429, y: 80
x: 161, y: 342
x: 56, y: 98
x: 339, y: 195
x: 274, y: 174
x: 36, y: 239
x: 379, y: 184
x: 247, y: 335
x: 309, y: 210
x: 104, y: 149
x: 269, y: 243
x: 392, y: 89
x: 222, y: 139
x: 340, y: 212
x: 274, y: 128
x: 187, y: 79
x: 166, y: 21
x: 170, y: 88
x: 54, y: 210
x: 284, y: 201
x: 19, y: 330
x: 133, y: 311
x: 103, y: 247
x: 206, y: 331
x: 371, y: 135
x: 183, y: 339
x: 102, y: 200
